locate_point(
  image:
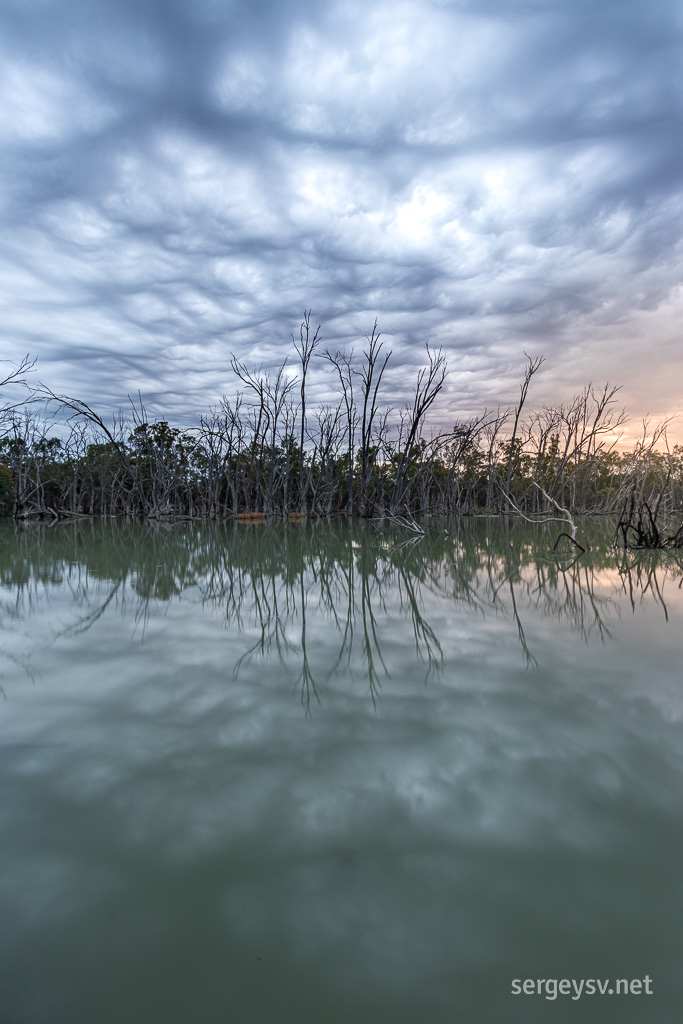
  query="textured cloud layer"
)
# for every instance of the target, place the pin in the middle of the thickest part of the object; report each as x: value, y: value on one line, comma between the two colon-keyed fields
x: 182, y: 180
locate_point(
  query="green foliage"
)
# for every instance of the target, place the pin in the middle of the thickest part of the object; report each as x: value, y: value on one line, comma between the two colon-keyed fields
x: 7, y: 496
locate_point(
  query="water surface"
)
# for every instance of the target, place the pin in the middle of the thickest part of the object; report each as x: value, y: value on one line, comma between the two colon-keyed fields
x: 329, y: 772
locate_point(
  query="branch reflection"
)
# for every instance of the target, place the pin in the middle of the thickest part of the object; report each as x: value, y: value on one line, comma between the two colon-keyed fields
x: 325, y: 601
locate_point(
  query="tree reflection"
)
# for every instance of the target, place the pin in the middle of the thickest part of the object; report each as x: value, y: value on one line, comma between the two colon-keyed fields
x: 282, y: 588
x: 641, y: 575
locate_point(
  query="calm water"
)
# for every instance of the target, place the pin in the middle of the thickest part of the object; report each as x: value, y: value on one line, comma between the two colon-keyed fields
x: 310, y: 773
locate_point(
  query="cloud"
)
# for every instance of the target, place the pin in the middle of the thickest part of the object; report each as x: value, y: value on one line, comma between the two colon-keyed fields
x: 182, y: 181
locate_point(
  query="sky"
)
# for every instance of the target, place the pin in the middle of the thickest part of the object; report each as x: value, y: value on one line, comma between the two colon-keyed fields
x: 181, y: 179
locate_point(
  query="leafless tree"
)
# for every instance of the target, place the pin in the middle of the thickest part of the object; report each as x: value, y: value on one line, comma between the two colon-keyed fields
x: 305, y: 348
x: 16, y: 376
x: 342, y: 363
x: 533, y: 365
x: 430, y: 381
x: 371, y: 373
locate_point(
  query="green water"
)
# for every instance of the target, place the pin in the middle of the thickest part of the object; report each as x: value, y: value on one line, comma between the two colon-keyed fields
x: 323, y: 773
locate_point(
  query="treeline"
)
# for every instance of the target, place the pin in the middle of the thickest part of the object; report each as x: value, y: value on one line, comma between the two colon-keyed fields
x: 270, y: 451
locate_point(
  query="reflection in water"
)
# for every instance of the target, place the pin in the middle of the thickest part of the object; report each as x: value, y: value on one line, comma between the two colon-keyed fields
x: 643, y: 575
x: 181, y: 841
x: 355, y: 579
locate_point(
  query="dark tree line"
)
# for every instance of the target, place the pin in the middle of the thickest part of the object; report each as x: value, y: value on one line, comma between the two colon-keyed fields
x: 271, y: 450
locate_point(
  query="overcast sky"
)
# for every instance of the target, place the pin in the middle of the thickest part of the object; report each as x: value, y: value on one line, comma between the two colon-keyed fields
x: 180, y: 179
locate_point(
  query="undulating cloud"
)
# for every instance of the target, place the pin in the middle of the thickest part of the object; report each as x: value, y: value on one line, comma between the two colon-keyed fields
x: 182, y: 180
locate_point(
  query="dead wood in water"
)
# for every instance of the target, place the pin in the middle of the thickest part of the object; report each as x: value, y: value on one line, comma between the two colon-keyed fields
x: 566, y: 518
x: 638, y: 528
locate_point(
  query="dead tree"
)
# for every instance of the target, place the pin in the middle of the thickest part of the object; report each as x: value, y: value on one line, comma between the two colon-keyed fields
x: 305, y: 349
x: 18, y: 374
x: 638, y: 527
x: 343, y: 365
x: 566, y: 518
x: 371, y: 377
x: 513, y: 457
x: 277, y: 391
x: 430, y: 381
x: 78, y: 409
x: 256, y: 383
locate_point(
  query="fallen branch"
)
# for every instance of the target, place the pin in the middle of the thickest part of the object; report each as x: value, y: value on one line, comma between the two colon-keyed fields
x: 407, y: 522
x: 566, y: 518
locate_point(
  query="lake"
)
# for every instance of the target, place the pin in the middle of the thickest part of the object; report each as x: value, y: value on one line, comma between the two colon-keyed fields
x: 335, y: 772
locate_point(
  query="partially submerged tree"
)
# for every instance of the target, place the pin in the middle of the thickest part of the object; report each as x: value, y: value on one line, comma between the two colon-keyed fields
x: 640, y: 528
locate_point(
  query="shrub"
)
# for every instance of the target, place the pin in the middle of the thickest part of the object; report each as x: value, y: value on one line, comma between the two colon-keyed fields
x: 6, y: 491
